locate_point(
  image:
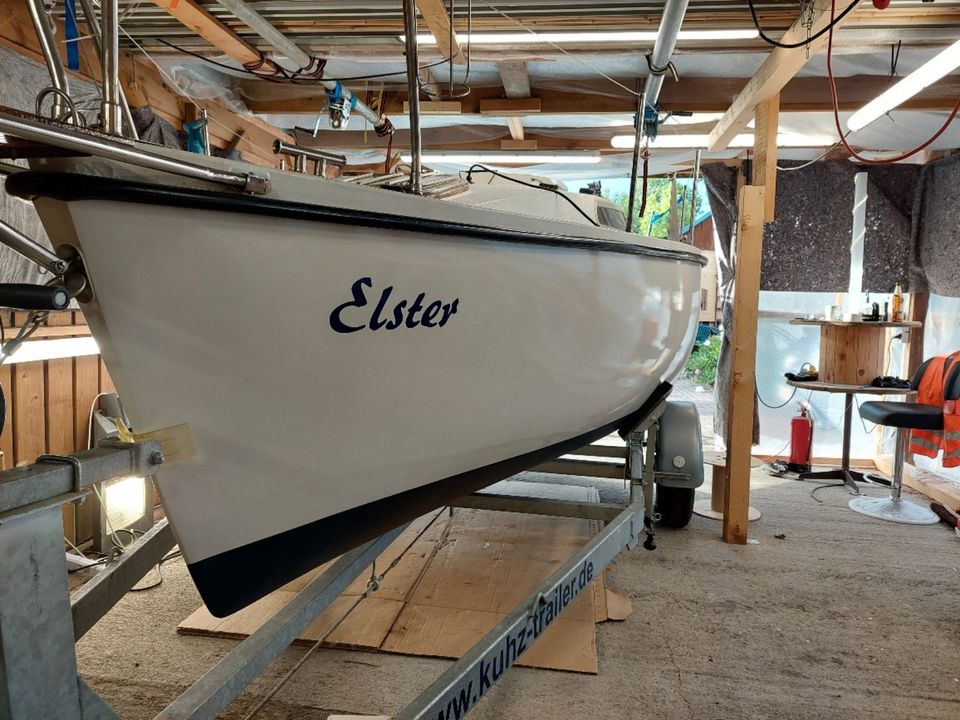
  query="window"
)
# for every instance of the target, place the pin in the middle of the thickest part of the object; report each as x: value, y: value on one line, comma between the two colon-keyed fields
x: 612, y: 217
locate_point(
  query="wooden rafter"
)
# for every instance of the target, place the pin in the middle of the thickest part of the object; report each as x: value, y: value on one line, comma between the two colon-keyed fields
x: 195, y: 17
x: 515, y: 79
x: 777, y: 70
x: 516, y: 127
x: 435, y: 15
x: 145, y: 86
x: 697, y: 94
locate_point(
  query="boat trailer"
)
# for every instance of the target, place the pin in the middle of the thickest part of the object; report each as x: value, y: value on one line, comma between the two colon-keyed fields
x: 40, y: 620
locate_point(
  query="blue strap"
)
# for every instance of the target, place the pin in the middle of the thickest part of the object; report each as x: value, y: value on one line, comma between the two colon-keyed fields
x: 195, y: 142
x: 337, y: 91
x: 70, y: 25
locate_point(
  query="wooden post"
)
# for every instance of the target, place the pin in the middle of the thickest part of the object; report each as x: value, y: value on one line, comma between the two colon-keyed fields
x: 914, y: 350
x: 765, y: 153
x: 743, y: 363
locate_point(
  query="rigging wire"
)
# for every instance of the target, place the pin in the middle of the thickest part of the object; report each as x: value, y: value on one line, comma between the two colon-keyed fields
x: 372, y: 585
x: 836, y: 111
x: 803, y: 43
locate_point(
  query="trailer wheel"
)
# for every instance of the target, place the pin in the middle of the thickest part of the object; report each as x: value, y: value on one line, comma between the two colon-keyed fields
x: 674, y: 505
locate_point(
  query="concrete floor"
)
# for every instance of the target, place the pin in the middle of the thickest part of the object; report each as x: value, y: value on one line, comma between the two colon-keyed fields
x: 844, y: 617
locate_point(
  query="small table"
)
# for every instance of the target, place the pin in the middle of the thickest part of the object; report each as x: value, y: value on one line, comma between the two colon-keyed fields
x: 713, y: 508
x: 850, y: 477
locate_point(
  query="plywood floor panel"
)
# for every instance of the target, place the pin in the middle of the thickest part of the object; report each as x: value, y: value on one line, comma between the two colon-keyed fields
x: 453, y: 585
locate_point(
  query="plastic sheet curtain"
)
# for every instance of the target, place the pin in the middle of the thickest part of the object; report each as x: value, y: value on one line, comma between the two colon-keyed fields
x: 806, y: 265
x: 20, y: 81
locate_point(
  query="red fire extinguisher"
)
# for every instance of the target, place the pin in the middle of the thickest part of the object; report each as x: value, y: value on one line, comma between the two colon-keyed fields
x: 801, y: 441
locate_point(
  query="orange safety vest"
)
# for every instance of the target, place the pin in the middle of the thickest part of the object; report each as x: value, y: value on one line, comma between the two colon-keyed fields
x: 931, y: 392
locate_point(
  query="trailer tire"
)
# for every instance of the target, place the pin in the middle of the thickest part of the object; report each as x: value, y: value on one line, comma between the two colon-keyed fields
x: 674, y: 505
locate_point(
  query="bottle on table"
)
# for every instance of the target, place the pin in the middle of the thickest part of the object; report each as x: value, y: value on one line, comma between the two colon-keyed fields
x: 897, y: 304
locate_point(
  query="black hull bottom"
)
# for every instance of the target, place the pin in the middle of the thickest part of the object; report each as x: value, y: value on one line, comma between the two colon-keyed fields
x: 232, y: 580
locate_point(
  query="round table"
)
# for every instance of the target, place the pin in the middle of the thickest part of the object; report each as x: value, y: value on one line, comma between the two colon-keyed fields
x: 850, y: 477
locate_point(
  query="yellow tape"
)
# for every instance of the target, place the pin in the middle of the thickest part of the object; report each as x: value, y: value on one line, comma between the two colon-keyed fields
x: 176, y: 442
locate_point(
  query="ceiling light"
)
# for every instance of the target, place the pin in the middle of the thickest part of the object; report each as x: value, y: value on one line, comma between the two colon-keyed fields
x: 744, y: 140
x: 640, y: 36
x: 508, y: 158
x: 925, y: 75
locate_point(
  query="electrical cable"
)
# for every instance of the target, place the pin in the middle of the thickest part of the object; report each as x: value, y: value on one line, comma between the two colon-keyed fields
x: 786, y: 402
x: 484, y: 168
x: 372, y: 586
x: 862, y: 423
x: 817, y: 159
x: 803, y: 43
x: 823, y: 486
x: 836, y: 110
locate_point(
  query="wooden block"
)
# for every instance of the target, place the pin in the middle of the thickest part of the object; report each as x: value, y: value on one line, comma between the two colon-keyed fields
x: 505, y: 107
x: 518, y: 144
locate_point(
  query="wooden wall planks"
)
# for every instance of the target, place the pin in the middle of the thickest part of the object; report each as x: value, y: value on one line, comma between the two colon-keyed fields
x: 48, y: 408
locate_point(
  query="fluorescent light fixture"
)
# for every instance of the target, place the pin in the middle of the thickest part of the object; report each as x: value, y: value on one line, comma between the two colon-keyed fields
x: 744, y: 140
x: 509, y: 158
x: 639, y: 36
x: 34, y: 350
x: 925, y: 75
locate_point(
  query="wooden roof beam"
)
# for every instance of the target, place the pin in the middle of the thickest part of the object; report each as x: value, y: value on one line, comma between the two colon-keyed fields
x: 513, y: 75
x: 195, y: 17
x: 437, y: 19
x: 802, y: 94
x: 516, y: 127
x: 777, y: 70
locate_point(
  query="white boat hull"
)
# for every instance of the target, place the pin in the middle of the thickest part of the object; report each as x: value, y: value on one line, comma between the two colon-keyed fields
x: 321, y: 420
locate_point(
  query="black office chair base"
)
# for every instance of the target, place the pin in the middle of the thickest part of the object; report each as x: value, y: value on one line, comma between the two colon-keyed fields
x: 894, y: 510
x: 850, y: 478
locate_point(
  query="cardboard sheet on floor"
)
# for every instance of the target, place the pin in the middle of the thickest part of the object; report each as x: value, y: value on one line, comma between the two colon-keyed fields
x: 454, y: 584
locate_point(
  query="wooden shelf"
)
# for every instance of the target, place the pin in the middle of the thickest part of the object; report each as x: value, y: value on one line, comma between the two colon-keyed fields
x: 848, y: 389
x: 858, y: 323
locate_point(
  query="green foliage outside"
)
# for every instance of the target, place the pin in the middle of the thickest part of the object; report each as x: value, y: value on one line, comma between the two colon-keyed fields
x: 658, y: 201
x: 702, y: 364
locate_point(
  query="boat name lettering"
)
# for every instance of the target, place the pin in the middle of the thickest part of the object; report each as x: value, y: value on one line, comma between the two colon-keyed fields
x: 390, y: 315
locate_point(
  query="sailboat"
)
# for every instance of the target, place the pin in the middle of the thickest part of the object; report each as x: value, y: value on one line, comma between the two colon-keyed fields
x: 342, y: 357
